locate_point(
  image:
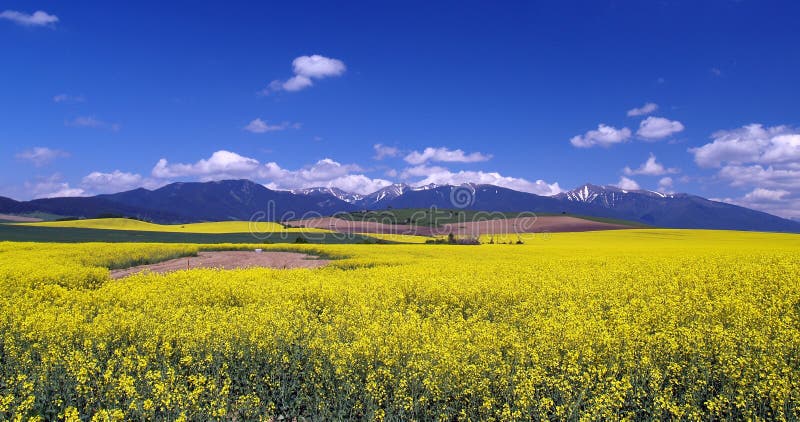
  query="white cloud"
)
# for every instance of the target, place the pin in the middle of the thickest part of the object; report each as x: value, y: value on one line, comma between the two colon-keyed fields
x: 321, y: 171
x: 297, y: 83
x: 66, y: 98
x: 651, y: 167
x: 259, y: 126
x: 750, y: 144
x: 778, y: 202
x: 665, y: 185
x: 760, y: 176
x: 228, y: 165
x: 604, y: 136
x: 760, y: 194
x: 330, y: 173
x: 306, y: 70
x: 442, y: 176
x: 643, y: 110
x: 383, y: 151
x: 357, y: 183
x: 627, y: 184
x: 41, y: 156
x: 422, y: 171
x: 654, y: 128
x: 116, y: 181
x: 765, y: 160
x: 317, y: 66
x: 222, y: 164
x: 38, y: 18
x: 325, y: 172
x: 442, y: 154
x: 92, y: 122
x: 53, y: 186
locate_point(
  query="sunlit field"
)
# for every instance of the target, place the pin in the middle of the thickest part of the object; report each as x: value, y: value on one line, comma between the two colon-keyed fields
x: 642, y: 324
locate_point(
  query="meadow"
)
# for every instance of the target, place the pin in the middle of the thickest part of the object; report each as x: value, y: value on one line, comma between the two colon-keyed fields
x: 633, y: 324
x: 216, y: 227
x: 123, y: 230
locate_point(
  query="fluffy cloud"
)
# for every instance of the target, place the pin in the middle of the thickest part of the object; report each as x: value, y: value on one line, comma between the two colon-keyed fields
x: 306, y: 70
x: 325, y: 172
x: 765, y: 160
x: 354, y: 183
x: 317, y: 66
x: 383, y: 151
x: 750, y: 144
x: 116, y: 181
x: 295, y: 83
x: 228, y: 165
x: 222, y: 164
x: 259, y: 126
x: 443, y: 176
x: 760, y: 194
x: 627, y: 184
x: 760, y: 176
x: 604, y: 136
x: 41, y: 156
x: 774, y: 201
x: 92, y: 122
x: 38, y: 18
x: 665, y: 185
x: 754, y: 156
x: 651, y: 167
x: 52, y: 187
x: 422, y: 171
x: 445, y: 155
x: 654, y: 128
x: 643, y: 110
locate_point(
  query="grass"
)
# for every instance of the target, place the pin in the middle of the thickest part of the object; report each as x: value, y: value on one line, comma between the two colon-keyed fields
x: 434, y: 217
x: 137, y: 225
x: 130, y: 230
x: 429, y: 217
x: 613, y: 221
x: 397, y: 238
x: 43, y: 233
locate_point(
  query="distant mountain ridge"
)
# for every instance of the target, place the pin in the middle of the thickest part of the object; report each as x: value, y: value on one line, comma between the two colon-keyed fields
x: 244, y: 200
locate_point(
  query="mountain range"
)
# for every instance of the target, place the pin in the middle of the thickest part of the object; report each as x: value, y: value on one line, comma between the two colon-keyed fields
x: 243, y: 200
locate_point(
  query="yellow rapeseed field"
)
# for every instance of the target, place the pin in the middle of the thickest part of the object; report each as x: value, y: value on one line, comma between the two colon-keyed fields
x: 635, y: 324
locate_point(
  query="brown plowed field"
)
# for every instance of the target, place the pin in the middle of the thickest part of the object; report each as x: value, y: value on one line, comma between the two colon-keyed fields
x: 228, y: 260
x: 550, y: 224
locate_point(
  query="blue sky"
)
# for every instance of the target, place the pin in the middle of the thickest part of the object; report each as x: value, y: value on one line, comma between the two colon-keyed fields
x: 103, y: 96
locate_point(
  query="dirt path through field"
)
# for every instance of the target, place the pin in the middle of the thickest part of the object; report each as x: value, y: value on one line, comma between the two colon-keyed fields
x: 228, y: 260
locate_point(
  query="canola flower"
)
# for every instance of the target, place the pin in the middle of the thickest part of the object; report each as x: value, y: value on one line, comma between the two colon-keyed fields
x: 638, y: 324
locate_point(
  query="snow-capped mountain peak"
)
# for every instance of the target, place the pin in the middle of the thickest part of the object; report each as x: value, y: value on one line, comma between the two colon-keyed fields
x: 334, y: 191
x: 426, y: 187
x: 384, y: 194
x: 607, y: 196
